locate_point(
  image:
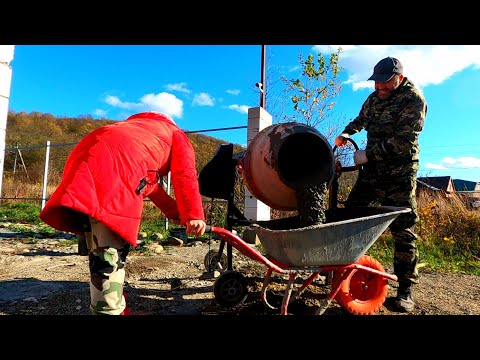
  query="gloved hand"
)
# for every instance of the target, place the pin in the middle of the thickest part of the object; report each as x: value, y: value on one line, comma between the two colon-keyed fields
x: 341, y: 139
x: 360, y: 157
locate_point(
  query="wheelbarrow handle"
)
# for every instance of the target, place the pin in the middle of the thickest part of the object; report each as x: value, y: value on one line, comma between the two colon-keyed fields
x: 242, y: 246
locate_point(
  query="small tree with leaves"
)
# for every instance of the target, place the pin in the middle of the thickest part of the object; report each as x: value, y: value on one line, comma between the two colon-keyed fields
x: 313, y: 96
x: 314, y: 92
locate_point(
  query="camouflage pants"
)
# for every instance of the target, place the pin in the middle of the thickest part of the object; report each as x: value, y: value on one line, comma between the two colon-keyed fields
x: 107, y: 256
x: 394, y: 189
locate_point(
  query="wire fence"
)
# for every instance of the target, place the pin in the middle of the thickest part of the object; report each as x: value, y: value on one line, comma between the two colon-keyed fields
x: 17, y: 175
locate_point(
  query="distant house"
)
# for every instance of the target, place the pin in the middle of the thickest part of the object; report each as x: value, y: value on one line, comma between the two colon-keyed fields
x: 443, y: 184
x: 464, y: 186
x: 470, y: 190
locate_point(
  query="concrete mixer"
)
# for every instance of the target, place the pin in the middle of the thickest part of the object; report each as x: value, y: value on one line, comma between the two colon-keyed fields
x: 277, y: 162
x: 284, y: 157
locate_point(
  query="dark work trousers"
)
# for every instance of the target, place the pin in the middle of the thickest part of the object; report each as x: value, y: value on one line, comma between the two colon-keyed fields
x: 393, y: 187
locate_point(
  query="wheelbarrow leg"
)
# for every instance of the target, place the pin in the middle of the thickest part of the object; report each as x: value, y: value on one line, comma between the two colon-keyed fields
x: 329, y: 277
x: 325, y: 303
x: 263, y: 292
x: 288, y: 293
x: 306, y: 284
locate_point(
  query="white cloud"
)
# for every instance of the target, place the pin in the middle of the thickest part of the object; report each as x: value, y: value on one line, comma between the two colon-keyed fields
x: 435, y: 166
x: 462, y: 162
x: 423, y: 64
x: 233, y: 91
x: 100, y: 113
x: 162, y: 102
x: 243, y: 109
x: 449, y: 163
x: 203, y: 99
x: 181, y: 87
x: 115, y: 101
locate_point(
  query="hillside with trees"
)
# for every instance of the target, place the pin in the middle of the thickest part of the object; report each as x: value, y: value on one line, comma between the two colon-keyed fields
x: 33, y: 130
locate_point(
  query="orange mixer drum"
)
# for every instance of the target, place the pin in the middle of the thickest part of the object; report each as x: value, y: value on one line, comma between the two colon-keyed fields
x: 282, y: 157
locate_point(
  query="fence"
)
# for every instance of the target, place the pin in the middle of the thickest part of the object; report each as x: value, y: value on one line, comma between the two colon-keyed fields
x: 19, y: 162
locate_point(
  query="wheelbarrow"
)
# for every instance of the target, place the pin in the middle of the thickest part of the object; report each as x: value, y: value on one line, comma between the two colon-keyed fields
x: 359, y: 282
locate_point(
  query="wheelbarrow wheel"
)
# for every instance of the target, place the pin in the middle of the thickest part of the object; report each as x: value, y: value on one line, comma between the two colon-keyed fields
x: 230, y: 289
x: 213, y: 261
x: 362, y: 292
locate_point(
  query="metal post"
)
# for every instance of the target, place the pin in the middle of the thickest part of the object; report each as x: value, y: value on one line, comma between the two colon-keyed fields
x: 168, y: 192
x: 45, y: 175
x: 23, y: 163
x: 262, y: 77
x: 15, y: 163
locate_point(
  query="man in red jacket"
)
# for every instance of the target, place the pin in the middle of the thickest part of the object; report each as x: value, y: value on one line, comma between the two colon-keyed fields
x: 105, y: 180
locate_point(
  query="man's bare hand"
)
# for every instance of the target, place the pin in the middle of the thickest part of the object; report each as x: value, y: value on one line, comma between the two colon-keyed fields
x: 195, y: 227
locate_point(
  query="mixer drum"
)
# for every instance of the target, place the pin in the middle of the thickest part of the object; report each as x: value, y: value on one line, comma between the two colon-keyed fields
x: 283, y: 157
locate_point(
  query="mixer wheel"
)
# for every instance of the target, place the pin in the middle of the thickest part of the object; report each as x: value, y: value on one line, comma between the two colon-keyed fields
x: 230, y: 289
x: 213, y: 261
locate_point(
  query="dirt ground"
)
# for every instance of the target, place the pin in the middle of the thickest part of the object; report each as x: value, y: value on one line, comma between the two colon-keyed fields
x: 42, y: 277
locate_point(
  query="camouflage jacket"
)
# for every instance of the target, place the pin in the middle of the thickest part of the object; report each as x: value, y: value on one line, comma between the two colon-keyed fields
x: 393, y: 125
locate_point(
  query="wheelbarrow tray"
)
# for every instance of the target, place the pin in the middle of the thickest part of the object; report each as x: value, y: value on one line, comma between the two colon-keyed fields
x: 346, y: 235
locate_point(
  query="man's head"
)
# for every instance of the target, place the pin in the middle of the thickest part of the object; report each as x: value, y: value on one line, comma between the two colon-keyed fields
x: 386, y: 69
x: 388, y: 75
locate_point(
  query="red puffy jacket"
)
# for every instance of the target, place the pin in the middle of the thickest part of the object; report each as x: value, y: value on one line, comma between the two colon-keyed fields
x: 103, y: 171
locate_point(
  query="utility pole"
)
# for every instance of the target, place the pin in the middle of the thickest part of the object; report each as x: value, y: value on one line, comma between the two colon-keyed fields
x: 258, y: 119
x: 262, y: 77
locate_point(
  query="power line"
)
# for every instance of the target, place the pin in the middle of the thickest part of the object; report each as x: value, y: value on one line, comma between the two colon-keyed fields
x: 447, y: 146
x: 16, y: 148
x: 218, y: 129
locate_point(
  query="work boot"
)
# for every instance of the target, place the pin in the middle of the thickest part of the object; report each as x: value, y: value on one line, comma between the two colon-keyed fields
x: 404, y: 300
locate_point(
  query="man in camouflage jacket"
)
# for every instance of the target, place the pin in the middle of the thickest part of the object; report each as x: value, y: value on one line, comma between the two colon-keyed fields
x: 393, y: 116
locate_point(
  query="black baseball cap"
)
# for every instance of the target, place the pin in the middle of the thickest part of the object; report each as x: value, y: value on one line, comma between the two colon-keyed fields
x: 385, y: 69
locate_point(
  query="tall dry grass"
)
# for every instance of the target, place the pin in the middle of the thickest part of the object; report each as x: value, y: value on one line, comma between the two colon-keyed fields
x: 448, y: 221
x: 21, y: 186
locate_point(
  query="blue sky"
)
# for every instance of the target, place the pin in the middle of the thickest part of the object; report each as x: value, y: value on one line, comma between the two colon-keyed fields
x: 212, y: 86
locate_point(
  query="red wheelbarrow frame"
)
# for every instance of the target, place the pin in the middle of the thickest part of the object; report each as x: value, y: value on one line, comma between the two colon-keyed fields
x: 341, y: 275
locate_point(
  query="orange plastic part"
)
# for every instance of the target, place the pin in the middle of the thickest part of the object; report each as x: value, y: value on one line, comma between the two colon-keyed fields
x: 362, y: 292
